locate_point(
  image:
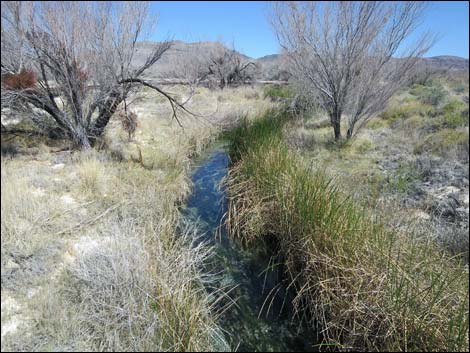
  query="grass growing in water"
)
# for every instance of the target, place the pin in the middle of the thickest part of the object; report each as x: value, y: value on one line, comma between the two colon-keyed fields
x: 365, y: 286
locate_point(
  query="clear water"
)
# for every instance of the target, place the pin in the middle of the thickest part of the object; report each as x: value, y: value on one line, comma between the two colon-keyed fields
x: 249, y: 324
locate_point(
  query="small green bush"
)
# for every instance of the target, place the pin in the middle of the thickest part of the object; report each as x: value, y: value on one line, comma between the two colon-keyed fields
x: 443, y: 141
x: 362, y: 145
x: 454, y: 106
x: 452, y: 115
x: 454, y: 120
x: 433, y: 95
x: 401, y: 112
x: 377, y: 123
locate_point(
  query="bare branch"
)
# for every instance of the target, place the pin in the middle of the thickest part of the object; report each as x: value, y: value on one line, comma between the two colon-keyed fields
x: 80, y: 53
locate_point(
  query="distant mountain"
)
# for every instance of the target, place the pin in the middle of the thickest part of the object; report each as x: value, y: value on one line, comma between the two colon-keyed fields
x: 167, y: 62
x: 447, y: 62
x: 270, y: 65
x: 268, y: 58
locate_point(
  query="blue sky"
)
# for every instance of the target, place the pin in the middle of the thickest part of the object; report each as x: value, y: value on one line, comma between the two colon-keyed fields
x: 245, y: 24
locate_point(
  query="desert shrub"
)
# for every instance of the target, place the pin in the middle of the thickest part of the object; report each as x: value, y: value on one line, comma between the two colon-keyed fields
x: 92, y: 173
x: 460, y: 88
x: 443, y: 142
x: 9, y: 149
x: 433, y: 95
x: 454, y: 120
x: 454, y: 106
x: 377, y: 123
x: 455, y: 114
x: 414, y: 122
x: 398, y: 113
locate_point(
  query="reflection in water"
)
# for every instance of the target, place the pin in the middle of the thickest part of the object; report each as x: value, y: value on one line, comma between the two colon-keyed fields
x: 260, y: 320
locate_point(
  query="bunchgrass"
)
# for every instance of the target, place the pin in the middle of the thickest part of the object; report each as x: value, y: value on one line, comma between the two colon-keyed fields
x: 94, y: 257
x: 364, y: 286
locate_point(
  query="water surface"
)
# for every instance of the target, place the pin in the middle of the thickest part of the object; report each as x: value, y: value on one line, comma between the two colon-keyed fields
x: 261, y: 317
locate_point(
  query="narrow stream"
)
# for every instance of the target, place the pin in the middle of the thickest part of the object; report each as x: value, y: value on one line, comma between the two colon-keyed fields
x: 249, y: 324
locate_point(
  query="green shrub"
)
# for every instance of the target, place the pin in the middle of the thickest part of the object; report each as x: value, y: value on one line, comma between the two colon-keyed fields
x: 454, y: 106
x: 398, y: 113
x: 454, y: 120
x: 433, y: 95
x: 443, y: 141
x: 415, y: 122
x: 452, y: 115
x: 362, y: 145
x: 377, y: 123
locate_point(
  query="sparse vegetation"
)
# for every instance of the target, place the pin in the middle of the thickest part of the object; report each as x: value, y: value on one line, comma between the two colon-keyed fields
x: 97, y: 238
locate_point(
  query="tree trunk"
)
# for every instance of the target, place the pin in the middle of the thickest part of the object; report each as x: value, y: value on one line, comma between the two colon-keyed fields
x: 335, y: 119
x: 105, y: 114
x: 350, y: 132
x: 222, y: 83
x: 80, y: 137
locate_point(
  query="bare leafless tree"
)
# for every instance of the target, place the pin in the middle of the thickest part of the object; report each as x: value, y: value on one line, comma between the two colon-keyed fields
x: 70, y: 64
x: 227, y: 67
x: 350, y: 55
x: 189, y: 65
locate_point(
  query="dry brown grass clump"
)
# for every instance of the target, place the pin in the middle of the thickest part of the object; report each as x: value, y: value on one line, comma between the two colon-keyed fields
x: 92, y: 255
x: 129, y: 122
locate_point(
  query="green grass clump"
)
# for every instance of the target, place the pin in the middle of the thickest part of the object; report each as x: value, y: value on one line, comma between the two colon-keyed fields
x: 377, y: 123
x: 368, y: 287
x: 278, y: 91
x: 454, y: 114
x: 408, y: 109
x: 362, y: 145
